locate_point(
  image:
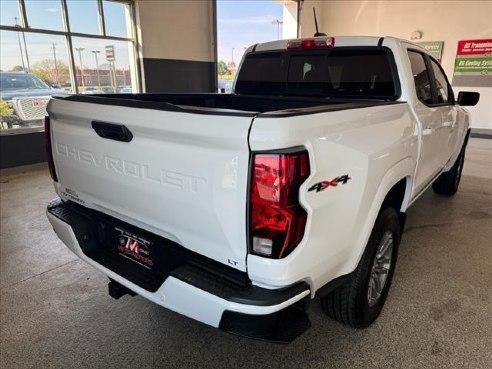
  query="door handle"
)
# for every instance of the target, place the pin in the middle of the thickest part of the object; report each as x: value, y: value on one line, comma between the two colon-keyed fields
x: 427, y: 131
x: 117, y: 132
x: 447, y: 124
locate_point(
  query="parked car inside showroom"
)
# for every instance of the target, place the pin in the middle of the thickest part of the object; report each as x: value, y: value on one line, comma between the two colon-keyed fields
x: 25, y: 96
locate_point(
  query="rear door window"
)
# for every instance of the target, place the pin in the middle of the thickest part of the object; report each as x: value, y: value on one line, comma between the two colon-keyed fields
x: 421, y: 77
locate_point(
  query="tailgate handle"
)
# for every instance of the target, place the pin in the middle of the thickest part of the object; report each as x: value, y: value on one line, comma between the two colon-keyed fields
x: 111, y: 131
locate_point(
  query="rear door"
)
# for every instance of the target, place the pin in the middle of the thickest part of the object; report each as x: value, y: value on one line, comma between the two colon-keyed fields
x: 182, y: 175
x: 429, y: 116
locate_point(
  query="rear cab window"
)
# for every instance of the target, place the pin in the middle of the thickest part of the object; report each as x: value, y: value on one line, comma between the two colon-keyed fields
x: 344, y: 72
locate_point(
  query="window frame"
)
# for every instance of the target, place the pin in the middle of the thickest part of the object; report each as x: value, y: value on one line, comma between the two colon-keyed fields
x: 24, y: 28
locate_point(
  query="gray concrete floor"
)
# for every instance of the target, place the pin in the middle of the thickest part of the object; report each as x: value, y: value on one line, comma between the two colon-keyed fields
x: 55, y: 312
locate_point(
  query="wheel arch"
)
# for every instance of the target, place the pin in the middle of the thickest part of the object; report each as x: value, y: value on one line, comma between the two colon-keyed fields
x: 398, y: 198
x: 394, y: 190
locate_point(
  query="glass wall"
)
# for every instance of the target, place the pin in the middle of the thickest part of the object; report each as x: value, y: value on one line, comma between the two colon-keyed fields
x: 62, y: 47
x: 241, y: 24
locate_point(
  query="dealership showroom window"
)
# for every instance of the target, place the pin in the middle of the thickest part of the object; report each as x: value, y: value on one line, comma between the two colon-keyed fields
x: 228, y: 183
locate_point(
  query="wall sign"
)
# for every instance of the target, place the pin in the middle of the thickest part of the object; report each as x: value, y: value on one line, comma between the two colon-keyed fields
x: 433, y: 47
x: 473, y: 63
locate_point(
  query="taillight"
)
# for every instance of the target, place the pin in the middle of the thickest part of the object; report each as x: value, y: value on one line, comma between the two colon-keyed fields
x: 49, y: 152
x: 311, y: 43
x: 276, y: 218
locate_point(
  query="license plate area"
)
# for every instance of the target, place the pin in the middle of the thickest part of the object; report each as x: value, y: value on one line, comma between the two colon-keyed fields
x: 139, y: 256
x: 98, y: 236
x: 134, y: 248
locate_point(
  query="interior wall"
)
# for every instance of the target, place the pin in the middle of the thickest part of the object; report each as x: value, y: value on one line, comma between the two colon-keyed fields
x: 307, y: 27
x: 22, y: 149
x: 177, y: 45
x: 289, y: 17
x: 448, y: 21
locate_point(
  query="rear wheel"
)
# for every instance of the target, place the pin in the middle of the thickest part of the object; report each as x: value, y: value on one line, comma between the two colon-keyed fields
x: 448, y: 182
x: 359, y: 301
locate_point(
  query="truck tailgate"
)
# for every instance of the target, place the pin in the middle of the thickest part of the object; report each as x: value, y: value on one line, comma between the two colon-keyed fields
x: 182, y: 176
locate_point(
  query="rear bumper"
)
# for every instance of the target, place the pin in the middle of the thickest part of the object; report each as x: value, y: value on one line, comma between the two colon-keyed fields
x: 191, y: 285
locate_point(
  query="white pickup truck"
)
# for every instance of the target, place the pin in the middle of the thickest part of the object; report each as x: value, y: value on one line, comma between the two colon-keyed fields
x: 238, y: 209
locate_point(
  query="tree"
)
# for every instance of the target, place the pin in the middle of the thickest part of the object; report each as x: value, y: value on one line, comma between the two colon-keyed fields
x: 17, y: 68
x: 5, y: 108
x: 222, y: 68
x: 45, y: 69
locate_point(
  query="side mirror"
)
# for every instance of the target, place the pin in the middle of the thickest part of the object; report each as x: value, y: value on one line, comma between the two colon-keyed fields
x: 468, y: 98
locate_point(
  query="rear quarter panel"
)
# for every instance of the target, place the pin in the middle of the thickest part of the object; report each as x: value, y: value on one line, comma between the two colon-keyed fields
x: 376, y: 147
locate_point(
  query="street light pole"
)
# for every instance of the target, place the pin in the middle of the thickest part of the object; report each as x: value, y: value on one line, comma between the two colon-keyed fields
x: 20, y: 45
x: 115, y: 83
x: 27, y: 55
x: 278, y: 23
x: 53, y: 46
x: 80, y: 49
x: 95, y: 52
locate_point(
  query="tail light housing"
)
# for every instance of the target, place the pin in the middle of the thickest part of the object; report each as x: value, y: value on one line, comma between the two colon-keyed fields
x: 49, y: 151
x: 276, y: 218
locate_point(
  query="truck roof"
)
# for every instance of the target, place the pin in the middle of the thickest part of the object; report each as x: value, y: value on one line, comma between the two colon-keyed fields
x: 338, y: 41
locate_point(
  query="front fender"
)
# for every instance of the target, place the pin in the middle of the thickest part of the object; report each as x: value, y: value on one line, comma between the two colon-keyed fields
x: 463, y: 134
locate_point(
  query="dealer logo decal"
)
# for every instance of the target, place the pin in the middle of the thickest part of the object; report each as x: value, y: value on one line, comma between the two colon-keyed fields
x: 323, y: 185
x: 134, y: 248
x: 130, y: 244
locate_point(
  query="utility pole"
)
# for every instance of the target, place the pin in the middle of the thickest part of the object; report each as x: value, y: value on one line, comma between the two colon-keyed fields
x: 115, y: 83
x: 20, y: 45
x: 232, y: 63
x: 53, y: 46
x: 27, y: 55
x: 95, y: 52
x: 79, y: 50
x: 278, y: 23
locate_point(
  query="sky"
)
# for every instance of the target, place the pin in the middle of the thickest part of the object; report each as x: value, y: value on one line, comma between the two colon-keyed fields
x: 242, y: 23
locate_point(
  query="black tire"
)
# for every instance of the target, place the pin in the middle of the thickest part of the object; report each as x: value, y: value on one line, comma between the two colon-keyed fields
x: 349, y: 304
x: 448, y: 182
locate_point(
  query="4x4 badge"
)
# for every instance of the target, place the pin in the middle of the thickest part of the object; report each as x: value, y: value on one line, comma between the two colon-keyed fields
x: 320, y: 186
